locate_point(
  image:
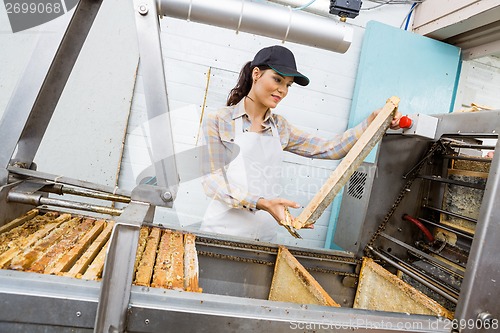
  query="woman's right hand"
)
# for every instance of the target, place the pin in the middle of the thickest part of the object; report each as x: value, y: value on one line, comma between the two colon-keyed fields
x: 276, y: 207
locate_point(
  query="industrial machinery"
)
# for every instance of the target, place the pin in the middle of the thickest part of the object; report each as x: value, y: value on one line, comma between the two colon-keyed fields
x: 429, y: 209
x: 401, y: 201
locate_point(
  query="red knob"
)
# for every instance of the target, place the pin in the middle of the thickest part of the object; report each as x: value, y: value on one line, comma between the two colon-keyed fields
x: 405, y: 122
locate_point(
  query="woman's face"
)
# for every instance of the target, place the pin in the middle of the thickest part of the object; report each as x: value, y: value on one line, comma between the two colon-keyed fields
x: 270, y: 87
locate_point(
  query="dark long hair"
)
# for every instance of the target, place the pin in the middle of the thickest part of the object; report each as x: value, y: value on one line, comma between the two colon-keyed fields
x: 244, y: 84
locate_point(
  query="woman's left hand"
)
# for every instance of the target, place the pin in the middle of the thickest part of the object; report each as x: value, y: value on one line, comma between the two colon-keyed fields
x: 395, y: 120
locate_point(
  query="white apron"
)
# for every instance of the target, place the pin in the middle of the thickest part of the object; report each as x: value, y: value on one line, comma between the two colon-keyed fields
x: 256, y: 169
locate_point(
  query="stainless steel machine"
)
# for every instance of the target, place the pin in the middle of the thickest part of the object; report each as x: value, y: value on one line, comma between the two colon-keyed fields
x: 236, y: 275
x: 406, y: 201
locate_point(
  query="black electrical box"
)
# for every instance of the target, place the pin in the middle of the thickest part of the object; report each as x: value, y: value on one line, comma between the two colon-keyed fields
x: 345, y: 8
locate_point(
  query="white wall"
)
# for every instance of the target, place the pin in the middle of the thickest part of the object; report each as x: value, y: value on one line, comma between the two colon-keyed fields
x: 15, y: 52
x: 479, y: 83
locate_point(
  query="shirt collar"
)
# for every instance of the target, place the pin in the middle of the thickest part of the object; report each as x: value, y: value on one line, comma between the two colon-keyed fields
x: 239, y: 111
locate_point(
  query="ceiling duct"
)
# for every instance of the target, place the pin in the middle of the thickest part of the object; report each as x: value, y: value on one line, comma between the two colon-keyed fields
x: 270, y: 20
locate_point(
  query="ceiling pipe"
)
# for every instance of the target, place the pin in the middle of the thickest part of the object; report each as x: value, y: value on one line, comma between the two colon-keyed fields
x: 318, y: 7
x: 270, y: 20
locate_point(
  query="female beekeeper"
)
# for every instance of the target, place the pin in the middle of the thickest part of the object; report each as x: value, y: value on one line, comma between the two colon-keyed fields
x: 245, y: 142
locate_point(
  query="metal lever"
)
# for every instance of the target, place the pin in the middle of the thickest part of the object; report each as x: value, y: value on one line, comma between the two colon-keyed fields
x: 155, y: 88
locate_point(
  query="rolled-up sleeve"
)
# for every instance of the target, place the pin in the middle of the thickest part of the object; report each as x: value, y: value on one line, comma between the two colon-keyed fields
x: 305, y: 144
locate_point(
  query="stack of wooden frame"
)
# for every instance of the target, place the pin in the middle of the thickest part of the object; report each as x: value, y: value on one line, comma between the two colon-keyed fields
x: 75, y: 246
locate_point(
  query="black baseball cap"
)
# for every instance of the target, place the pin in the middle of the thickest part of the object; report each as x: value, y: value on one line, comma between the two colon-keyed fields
x: 281, y: 60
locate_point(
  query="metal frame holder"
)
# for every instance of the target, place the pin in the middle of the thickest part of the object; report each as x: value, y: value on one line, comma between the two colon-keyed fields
x: 26, y: 119
x: 32, y: 104
x: 155, y: 90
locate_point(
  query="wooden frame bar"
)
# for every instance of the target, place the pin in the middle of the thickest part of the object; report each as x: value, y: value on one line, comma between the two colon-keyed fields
x: 348, y: 165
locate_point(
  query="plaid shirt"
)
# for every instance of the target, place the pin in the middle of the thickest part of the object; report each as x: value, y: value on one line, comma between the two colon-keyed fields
x: 218, y: 129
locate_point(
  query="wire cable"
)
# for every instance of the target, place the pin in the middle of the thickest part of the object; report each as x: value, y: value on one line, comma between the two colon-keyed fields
x: 392, y: 2
x: 304, y: 6
x: 408, y: 16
